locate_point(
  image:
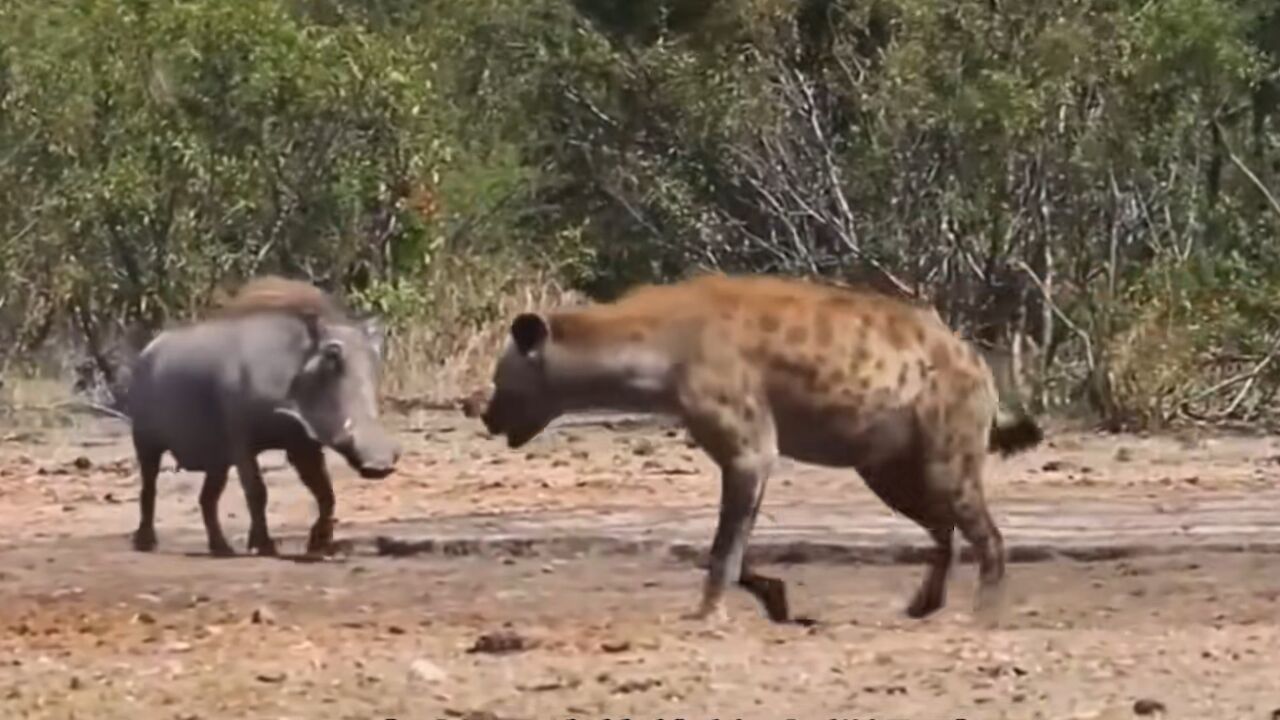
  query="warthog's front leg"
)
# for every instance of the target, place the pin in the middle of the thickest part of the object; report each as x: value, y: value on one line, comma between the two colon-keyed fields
x: 310, y: 465
x: 255, y: 496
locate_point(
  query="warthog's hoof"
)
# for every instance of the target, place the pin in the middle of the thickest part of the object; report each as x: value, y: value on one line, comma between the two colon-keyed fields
x: 320, y: 541
x: 264, y: 546
x: 321, y: 549
x: 144, y: 540
x: 771, y: 592
x: 320, y: 552
x: 221, y: 548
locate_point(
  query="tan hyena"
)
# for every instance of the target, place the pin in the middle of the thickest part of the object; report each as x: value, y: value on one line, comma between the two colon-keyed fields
x: 759, y: 367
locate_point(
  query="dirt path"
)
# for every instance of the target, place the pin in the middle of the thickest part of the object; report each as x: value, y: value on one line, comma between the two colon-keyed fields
x: 89, y: 629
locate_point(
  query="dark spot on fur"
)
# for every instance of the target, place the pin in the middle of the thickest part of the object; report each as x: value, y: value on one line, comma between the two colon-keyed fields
x: 920, y: 335
x: 770, y: 322
x: 824, y: 333
x: 797, y: 334
x: 878, y: 365
x: 940, y: 356
x: 893, y: 333
x: 864, y: 383
x: 947, y: 441
x: 837, y: 377
x: 694, y: 353
x: 902, y: 376
x: 803, y: 372
x: 880, y: 397
x: 809, y: 376
x: 636, y: 336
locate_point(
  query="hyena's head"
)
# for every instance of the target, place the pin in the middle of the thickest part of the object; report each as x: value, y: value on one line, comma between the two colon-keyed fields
x: 523, y: 401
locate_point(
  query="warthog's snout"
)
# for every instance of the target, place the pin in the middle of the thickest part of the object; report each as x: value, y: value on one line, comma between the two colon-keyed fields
x: 372, y: 458
x: 375, y: 472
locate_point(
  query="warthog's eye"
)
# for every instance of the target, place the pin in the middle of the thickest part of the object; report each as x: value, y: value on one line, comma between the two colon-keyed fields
x: 331, y: 355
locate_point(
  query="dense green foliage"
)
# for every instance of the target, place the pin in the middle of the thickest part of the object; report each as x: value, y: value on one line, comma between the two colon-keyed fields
x: 1091, y: 184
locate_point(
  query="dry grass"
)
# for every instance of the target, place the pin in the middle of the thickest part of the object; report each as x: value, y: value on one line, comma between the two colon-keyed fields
x: 449, y: 351
x: 35, y: 402
x: 1149, y: 367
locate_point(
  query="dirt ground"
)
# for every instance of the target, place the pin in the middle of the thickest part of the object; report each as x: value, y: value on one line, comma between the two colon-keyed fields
x: 91, y: 629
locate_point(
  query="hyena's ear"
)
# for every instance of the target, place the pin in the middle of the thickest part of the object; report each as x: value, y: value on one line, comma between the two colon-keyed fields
x: 529, y: 331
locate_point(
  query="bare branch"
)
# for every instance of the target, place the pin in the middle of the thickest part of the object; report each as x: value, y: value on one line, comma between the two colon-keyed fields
x: 1235, y: 160
x: 1062, y: 317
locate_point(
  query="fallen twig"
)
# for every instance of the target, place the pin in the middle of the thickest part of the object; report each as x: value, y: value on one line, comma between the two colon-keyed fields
x: 1249, y: 378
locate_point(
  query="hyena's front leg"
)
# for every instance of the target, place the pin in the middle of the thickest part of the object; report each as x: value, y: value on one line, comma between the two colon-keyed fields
x: 744, y: 474
x: 769, y: 591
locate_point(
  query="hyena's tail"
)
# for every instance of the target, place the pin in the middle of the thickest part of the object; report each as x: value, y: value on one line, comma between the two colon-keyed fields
x: 1013, y: 432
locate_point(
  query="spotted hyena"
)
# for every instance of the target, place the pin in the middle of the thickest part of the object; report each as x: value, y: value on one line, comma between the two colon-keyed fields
x: 758, y: 367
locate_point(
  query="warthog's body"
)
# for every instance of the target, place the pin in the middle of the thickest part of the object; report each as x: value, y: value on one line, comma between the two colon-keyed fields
x: 278, y: 369
x: 761, y: 367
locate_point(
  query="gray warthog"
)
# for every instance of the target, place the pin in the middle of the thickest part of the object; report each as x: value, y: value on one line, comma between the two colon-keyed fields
x: 278, y: 367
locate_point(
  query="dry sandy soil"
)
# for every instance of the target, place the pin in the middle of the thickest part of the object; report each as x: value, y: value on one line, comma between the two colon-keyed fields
x: 91, y: 629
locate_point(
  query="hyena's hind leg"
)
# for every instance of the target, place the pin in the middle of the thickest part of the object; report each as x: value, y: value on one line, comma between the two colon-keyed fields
x: 974, y: 521
x: 903, y: 483
x: 932, y: 594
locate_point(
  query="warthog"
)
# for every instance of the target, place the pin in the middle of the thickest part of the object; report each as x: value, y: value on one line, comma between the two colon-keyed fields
x: 278, y: 367
x: 762, y: 367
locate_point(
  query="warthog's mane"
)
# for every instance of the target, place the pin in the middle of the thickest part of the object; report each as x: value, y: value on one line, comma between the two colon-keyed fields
x: 272, y: 293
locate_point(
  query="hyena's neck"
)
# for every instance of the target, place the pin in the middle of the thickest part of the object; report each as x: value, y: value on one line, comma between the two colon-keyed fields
x: 632, y: 378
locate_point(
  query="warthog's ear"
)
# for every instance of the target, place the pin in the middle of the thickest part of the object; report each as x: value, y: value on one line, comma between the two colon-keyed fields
x: 529, y: 331
x: 312, y: 323
x: 291, y: 412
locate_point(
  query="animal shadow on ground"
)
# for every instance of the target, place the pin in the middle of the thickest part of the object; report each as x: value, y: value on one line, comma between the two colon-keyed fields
x: 339, y: 553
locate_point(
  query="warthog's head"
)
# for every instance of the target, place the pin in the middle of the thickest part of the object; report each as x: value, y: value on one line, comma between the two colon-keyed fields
x: 523, y: 402
x: 334, y: 398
